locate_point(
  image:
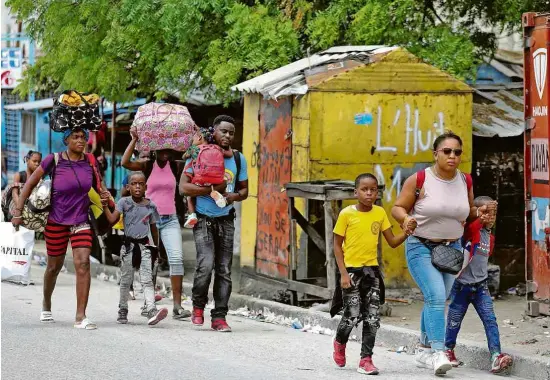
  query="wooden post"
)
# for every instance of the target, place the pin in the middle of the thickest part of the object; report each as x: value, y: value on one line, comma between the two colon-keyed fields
x: 331, y: 262
x: 293, y: 261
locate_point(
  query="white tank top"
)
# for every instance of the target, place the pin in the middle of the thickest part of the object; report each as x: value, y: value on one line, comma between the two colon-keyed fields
x: 443, y: 208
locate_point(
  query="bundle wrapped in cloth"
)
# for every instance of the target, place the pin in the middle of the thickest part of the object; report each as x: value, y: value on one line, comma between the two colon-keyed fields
x: 74, y: 99
x: 73, y: 109
x: 163, y: 126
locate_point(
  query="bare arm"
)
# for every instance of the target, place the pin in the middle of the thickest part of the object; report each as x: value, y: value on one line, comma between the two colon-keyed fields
x: 345, y: 279
x: 29, y: 186
x: 473, y: 209
x: 405, y: 201
x: 191, y: 190
x: 394, y: 241
x: 127, y: 157
x: 112, y: 217
x: 16, y: 189
x: 404, y: 204
x: 155, y: 234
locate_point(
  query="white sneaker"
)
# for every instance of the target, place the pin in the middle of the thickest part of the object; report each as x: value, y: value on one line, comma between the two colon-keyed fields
x: 423, y: 357
x: 441, y: 363
x: 191, y: 221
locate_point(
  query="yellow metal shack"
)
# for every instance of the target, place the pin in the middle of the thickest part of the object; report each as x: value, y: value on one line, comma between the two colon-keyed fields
x: 334, y: 115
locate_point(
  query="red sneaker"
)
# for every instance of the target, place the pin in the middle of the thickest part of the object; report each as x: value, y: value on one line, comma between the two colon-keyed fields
x: 220, y: 325
x: 501, y: 363
x: 197, y: 318
x: 452, y: 358
x: 339, y: 354
x: 366, y: 367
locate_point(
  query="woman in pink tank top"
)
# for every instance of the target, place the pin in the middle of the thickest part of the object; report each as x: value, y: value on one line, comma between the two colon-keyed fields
x: 161, y: 173
x: 440, y: 208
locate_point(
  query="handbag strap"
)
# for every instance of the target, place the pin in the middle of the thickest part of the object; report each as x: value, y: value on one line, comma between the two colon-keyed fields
x: 82, y: 97
x: 74, y: 171
x: 169, y: 113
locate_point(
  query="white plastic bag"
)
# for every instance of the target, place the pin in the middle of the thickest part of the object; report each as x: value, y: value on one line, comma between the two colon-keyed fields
x: 16, y: 253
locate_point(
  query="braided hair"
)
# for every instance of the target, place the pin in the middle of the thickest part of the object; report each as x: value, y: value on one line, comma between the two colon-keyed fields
x: 30, y: 154
x: 207, y: 134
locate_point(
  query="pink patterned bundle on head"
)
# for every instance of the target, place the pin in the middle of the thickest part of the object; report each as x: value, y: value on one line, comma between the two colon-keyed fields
x: 163, y: 126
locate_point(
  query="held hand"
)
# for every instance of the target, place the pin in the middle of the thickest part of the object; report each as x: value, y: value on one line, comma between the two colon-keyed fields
x: 345, y: 281
x: 231, y: 197
x: 105, y: 194
x: 409, y: 225
x: 105, y: 197
x: 487, y: 212
x: 16, y: 221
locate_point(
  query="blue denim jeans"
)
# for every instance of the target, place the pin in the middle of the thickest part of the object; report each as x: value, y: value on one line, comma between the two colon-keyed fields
x: 478, y: 295
x: 435, y: 286
x: 170, y: 235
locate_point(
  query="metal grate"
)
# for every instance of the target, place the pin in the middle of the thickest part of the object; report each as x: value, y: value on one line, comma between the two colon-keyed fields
x: 11, y: 129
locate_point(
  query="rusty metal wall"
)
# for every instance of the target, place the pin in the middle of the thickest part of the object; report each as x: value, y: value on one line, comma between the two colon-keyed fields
x: 273, y: 158
x: 537, y: 173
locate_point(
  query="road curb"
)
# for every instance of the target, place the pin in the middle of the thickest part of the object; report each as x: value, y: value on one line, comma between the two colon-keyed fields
x: 473, y: 354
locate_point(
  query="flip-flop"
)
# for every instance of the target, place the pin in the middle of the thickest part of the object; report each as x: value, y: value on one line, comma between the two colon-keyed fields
x: 86, y: 324
x: 46, y: 317
x: 180, y: 314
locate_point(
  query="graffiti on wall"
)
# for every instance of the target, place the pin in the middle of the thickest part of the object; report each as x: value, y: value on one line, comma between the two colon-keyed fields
x: 398, y: 177
x: 417, y: 138
x: 272, y: 156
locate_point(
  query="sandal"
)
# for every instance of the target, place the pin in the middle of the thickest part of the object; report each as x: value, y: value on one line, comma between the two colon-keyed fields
x: 86, y: 324
x: 46, y: 317
x: 180, y: 313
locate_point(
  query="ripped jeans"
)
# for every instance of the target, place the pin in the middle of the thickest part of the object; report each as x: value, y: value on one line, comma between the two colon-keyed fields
x: 462, y: 295
x: 361, y: 303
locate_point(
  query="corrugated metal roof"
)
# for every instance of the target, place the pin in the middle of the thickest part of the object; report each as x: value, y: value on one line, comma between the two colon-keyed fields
x: 35, y: 105
x: 497, y: 113
x: 290, y: 79
x: 510, y: 70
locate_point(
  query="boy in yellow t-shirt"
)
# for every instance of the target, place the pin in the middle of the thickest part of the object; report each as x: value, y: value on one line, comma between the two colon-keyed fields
x: 355, y: 248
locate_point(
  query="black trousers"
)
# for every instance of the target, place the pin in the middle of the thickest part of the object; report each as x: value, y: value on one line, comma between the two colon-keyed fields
x: 361, y: 303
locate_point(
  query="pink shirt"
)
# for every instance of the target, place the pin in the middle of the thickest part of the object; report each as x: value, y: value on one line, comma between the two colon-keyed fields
x: 161, y: 189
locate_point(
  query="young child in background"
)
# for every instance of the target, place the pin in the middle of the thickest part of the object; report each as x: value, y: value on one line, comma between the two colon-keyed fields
x: 140, y: 218
x: 471, y: 287
x: 10, y: 197
x: 203, y: 137
x: 356, y: 237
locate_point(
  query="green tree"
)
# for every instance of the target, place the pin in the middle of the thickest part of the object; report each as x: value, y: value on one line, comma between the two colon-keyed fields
x: 122, y: 49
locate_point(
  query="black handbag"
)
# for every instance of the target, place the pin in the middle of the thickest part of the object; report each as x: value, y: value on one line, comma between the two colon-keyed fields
x: 444, y: 257
x: 447, y: 259
x: 65, y: 117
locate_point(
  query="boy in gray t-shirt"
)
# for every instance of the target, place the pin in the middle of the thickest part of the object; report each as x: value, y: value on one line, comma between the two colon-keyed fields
x: 140, y: 216
x: 471, y: 287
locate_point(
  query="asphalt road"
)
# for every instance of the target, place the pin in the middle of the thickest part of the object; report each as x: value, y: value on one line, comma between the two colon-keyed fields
x: 170, y: 350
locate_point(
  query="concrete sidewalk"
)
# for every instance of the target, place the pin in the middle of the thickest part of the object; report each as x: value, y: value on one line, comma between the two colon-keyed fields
x: 396, y: 330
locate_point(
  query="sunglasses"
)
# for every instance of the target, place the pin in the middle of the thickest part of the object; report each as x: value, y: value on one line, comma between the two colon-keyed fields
x: 448, y: 151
